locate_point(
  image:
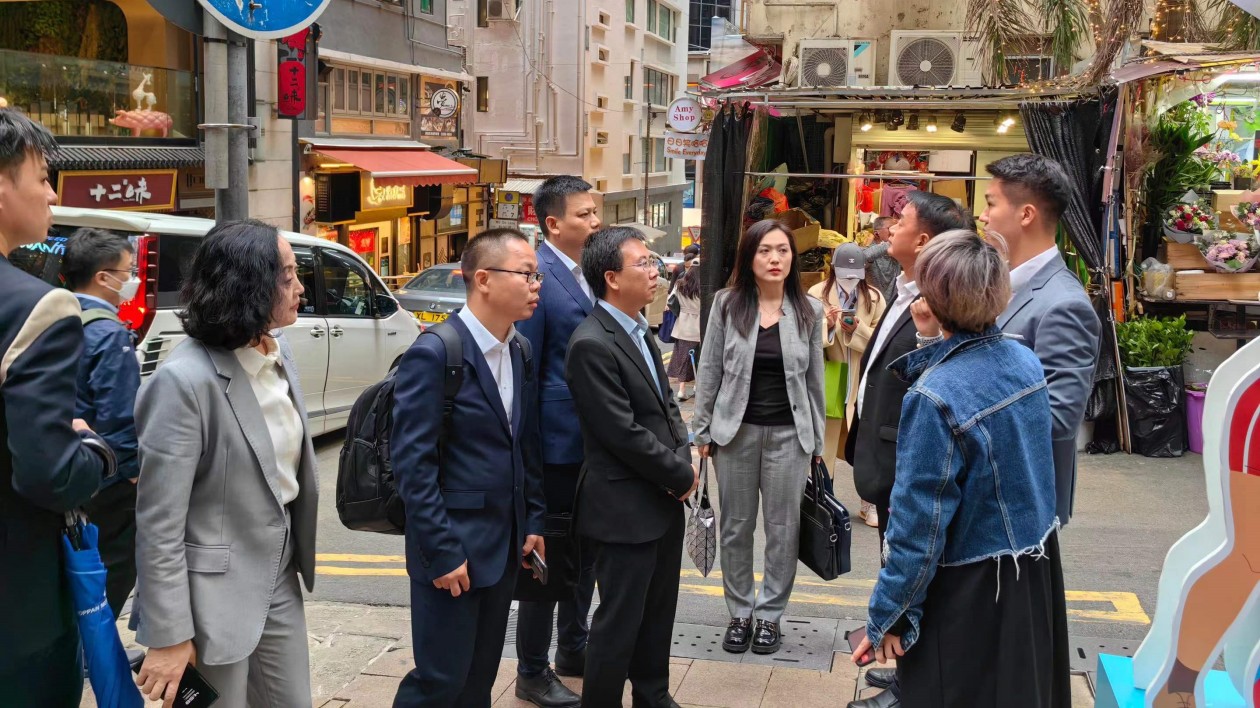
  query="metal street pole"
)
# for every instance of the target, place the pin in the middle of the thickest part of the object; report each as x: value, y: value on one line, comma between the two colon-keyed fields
x: 227, y: 144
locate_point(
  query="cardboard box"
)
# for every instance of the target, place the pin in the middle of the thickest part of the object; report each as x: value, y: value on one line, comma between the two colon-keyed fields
x: 804, y: 228
x: 1222, y: 201
x: 810, y: 278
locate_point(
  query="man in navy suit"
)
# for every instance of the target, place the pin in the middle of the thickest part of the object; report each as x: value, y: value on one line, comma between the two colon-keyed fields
x: 474, y: 501
x: 567, y: 213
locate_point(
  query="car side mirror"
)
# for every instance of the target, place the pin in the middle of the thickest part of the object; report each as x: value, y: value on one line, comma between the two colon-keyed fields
x: 386, y: 306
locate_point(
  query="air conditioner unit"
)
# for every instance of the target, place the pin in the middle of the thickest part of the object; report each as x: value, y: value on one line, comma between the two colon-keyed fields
x: 932, y: 58
x: 501, y: 9
x: 825, y: 63
x: 601, y: 138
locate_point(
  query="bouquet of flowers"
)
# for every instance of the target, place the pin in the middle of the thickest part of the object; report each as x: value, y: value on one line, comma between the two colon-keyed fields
x: 1225, y: 160
x: 1228, y: 253
x: 1248, y: 213
x: 1189, y: 218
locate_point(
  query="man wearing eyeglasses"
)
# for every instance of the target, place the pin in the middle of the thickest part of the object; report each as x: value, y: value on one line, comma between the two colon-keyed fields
x: 636, y: 473
x: 472, y: 492
x: 99, y: 266
x: 567, y: 213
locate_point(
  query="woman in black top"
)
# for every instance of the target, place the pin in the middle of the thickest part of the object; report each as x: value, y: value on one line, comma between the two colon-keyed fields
x: 760, y: 415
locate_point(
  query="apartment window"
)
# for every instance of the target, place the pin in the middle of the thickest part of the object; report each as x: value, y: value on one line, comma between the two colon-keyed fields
x: 339, y: 89
x: 627, y: 157
x: 659, y: 88
x: 658, y: 214
x: 365, y: 92
x: 483, y: 13
x: 700, y: 22
x: 483, y: 94
x: 659, y: 162
x: 665, y: 24
x: 630, y: 82
x: 621, y: 211
x: 426, y: 6
x: 630, y: 11
x: 651, y: 12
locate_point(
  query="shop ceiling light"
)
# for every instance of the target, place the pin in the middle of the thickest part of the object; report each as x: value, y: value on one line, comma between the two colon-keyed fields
x: 1242, y: 77
x: 865, y: 122
x: 959, y: 124
x: 897, y: 118
x: 913, y: 122
x: 1009, y: 120
x: 930, y: 126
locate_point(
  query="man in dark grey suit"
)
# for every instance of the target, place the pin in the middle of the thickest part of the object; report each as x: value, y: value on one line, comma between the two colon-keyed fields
x: 1049, y: 310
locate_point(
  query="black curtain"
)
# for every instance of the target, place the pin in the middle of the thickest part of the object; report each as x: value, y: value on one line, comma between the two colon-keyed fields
x: 1076, y: 134
x: 721, y: 216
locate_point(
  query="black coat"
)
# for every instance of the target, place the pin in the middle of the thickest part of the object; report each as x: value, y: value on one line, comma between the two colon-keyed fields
x: 45, y: 469
x: 872, y: 444
x: 637, y: 459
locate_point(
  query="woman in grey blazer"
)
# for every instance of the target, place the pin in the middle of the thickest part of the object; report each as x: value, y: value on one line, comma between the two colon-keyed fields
x: 225, y: 517
x: 760, y: 415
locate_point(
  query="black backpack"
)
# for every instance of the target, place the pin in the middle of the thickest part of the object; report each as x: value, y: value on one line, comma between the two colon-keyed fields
x: 367, y: 495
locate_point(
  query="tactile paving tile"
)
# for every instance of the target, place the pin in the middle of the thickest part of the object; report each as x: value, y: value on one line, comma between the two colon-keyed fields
x: 806, y: 644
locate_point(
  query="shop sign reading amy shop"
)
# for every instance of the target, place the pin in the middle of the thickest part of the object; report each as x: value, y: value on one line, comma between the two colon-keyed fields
x: 384, y: 196
x: 686, y: 146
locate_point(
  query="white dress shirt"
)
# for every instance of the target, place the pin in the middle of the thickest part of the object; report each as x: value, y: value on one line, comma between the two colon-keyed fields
x: 284, y: 423
x: 575, y: 269
x: 498, y: 357
x: 1023, y: 274
x: 907, y: 291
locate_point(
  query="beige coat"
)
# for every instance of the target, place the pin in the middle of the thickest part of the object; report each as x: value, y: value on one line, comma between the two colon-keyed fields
x: 848, y: 347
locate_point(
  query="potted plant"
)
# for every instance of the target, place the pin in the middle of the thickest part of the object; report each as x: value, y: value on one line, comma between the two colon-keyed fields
x: 1152, y: 351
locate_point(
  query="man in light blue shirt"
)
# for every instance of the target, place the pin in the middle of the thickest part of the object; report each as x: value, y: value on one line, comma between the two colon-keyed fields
x: 637, y: 328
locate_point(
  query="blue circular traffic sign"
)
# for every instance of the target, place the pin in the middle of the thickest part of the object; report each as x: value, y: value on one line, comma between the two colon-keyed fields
x: 265, y: 19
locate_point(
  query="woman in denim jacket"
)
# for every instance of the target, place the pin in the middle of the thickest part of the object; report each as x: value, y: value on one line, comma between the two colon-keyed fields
x: 968, y: 602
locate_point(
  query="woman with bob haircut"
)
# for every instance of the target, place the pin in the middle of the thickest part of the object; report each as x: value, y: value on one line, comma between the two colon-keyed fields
x: 968, y: 602
x: 759, y: 414
x: 227, y: 499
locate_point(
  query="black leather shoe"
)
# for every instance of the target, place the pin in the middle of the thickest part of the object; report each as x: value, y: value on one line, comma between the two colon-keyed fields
x: 880, y: 678
x: 882, y: 700
x: 546, y: 691
x: 738, y: 635
x: 766, y: 638
x: 570, y: 664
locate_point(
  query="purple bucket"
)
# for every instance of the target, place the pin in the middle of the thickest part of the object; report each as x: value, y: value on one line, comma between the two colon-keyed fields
x: 1194, y: 419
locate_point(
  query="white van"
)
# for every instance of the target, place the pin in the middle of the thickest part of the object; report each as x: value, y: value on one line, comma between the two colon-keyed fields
x: 350, y: 330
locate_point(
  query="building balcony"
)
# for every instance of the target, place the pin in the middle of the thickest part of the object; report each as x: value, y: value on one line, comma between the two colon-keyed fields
x: 99, y: 99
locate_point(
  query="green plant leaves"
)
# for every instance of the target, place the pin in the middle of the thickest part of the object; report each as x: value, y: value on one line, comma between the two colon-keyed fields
x: 1154, y: 341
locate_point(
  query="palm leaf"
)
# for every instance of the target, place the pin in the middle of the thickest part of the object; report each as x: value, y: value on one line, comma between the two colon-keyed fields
x: 1236, y: 29
x: 1067, y: 23
x: 999, y: 25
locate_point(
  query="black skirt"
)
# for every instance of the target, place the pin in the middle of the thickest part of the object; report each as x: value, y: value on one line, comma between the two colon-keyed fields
x: 990, y: 639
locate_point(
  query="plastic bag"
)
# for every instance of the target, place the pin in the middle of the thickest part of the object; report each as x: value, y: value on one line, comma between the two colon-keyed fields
x: 1158, y: 280
x: 1156, y: 405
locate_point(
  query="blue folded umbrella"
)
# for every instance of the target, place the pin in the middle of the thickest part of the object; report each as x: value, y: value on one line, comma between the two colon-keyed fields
x: 103, y: 652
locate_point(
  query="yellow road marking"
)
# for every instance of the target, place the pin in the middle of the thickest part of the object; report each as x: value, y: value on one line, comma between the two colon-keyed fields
x: 853, y: 592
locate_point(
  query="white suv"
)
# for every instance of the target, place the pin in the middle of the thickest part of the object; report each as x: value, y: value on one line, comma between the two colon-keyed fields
x: 350, y: 330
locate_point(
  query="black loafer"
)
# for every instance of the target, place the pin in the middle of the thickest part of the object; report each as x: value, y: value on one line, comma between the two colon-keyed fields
x: 570, y: 664
x: 738, y: 635
x: 766, y: 638
x: 546, y: 691
x: 880, y: 678
x: 880, y: 700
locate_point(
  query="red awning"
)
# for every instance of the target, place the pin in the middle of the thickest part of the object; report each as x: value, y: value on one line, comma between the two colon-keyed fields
x: 413, y: 168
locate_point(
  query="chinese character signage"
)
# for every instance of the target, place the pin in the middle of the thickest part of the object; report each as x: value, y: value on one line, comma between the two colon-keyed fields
x: 363, y: 241
x: 528, y: 215
x: 377, y: 196
x: 137, y: 190
x: 439, y: 107
x: 682, y: 146
x: 293, y: 53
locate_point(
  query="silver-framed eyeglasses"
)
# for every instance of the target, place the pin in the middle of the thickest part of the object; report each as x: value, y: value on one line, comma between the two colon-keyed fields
x: 647, y: 265
x: 530, y: 276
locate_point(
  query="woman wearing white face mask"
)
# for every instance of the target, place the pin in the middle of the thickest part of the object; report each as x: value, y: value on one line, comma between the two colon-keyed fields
x: 853, y: 308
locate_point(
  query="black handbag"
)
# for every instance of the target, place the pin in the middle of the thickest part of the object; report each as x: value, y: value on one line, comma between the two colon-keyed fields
x: 826, y: 532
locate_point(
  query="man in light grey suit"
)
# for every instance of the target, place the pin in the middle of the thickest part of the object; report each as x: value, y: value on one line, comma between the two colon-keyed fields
x: 227, y: 499
x: 1049, y: 309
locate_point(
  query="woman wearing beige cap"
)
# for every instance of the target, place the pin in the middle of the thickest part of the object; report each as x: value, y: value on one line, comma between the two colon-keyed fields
x: 853, y: 308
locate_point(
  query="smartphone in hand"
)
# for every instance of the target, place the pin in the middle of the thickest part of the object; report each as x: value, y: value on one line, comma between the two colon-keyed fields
x: 855, y: 637
x: 538, y: 565
x: 194, y: 690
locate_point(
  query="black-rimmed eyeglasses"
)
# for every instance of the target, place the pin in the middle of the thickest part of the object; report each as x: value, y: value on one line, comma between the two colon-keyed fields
x: 530, y: 276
